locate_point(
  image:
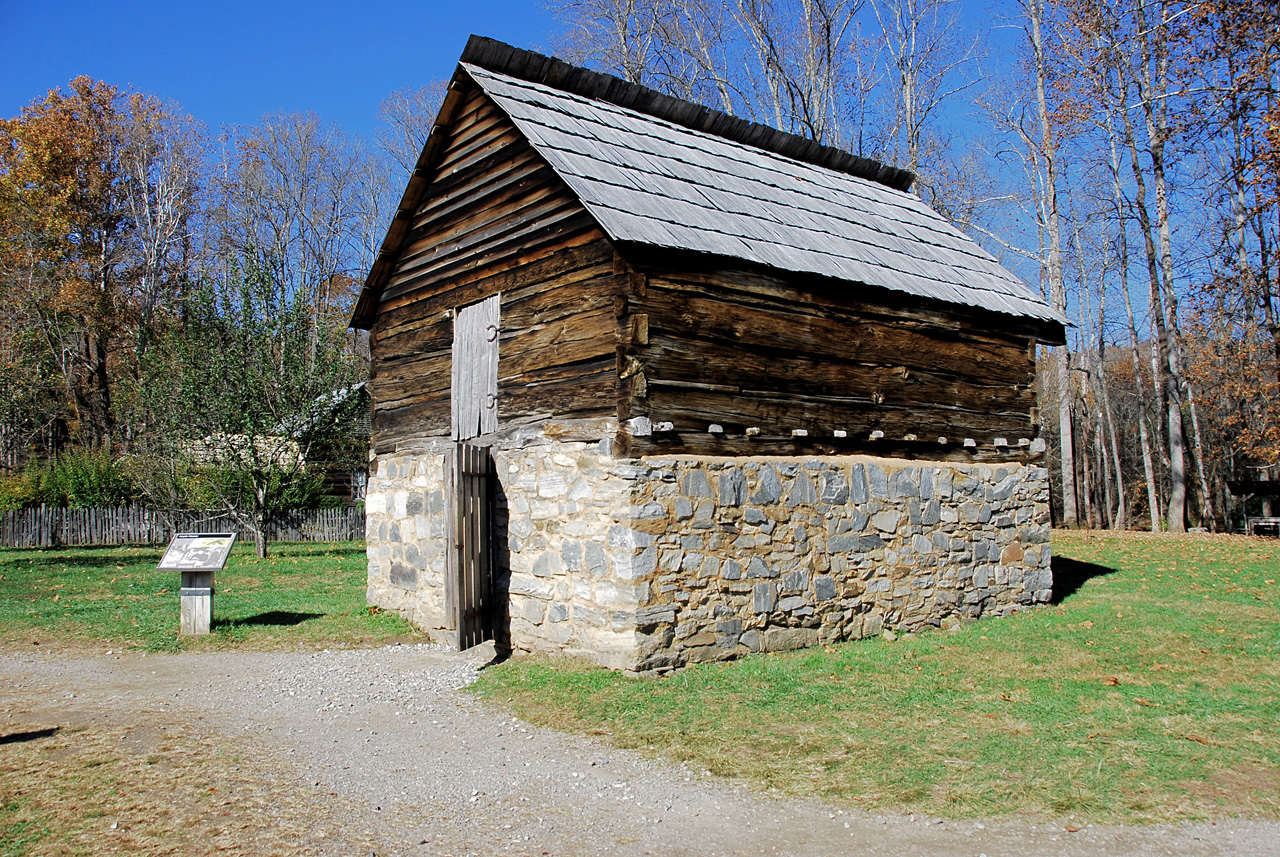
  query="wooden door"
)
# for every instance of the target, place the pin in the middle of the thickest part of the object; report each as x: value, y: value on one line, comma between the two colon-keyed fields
x: 474, y: 391
x: 474, y: 396
x: 469, y: 583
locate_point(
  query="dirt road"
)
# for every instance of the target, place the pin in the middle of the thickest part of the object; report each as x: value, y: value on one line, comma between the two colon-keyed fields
x: 349, y: 752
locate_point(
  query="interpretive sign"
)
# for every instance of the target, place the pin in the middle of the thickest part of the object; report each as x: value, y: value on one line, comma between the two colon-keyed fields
x: 197, y: 556
x: 197, y: 551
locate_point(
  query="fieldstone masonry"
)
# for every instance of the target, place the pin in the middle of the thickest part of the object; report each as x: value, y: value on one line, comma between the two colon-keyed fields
x: 405, y: 536
x: 655, y: 563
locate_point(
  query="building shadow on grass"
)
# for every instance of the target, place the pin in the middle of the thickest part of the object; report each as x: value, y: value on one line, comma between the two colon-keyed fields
x: 277, y: 618
x: 33, y: 735
x: 1071, y: 574
x: 97, y: 557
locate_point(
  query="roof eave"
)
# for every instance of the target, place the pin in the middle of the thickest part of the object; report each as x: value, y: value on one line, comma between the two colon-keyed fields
x: 366, y: 308
x: 1044, y: 330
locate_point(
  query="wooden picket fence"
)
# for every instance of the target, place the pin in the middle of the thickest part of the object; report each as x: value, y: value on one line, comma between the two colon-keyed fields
x: 133, y: 525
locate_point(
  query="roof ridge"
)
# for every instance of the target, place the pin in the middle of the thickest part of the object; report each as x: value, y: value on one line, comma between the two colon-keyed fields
x: 496, y: 56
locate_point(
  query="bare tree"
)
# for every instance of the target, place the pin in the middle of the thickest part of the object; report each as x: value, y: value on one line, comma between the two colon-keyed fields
x: 931, y: 62
x: 799, y: 51
x: 164, y: 156
x: 294, y: 198
x: 1048, y: 151
x: 783, y: 62
x: 1122, y: 257
x: 406, y: 117
x: 620, y: 36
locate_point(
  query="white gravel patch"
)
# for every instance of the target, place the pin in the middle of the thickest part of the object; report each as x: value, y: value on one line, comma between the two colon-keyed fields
x: 409, y: 678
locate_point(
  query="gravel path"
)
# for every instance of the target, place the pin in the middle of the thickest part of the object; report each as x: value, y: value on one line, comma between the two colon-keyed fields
x: 435, y: 772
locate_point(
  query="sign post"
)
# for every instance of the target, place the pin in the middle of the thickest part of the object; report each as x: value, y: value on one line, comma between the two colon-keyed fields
x: 196, y: 556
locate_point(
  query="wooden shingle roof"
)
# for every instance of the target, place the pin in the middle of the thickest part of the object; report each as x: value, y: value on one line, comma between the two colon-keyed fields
x: 657, y: 171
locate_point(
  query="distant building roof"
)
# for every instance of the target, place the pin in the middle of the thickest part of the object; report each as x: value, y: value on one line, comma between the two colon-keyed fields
x: 666, y: 173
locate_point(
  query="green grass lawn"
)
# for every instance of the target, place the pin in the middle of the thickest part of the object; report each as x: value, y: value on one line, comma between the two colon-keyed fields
x: 1151, y: 692
x: 303, y: 595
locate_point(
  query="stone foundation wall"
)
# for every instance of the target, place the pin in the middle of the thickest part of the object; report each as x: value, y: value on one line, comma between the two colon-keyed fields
x: 564, y: 566
x: 773, y: 554
x: 655, y: 563
x: 569, y: 569
x: 405, y: 536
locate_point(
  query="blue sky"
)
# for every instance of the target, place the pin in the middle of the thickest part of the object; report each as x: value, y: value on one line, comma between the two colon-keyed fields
x: 232, y: 61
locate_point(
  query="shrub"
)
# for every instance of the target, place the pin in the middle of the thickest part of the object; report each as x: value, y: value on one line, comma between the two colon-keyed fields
x: 79, y: 478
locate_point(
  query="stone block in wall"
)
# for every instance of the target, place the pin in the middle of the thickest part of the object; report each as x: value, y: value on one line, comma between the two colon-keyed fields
x: 733, y: 487
x: 787, y: 639
x: 532, y: 610
x: 532, y: 587
x: 795, y: 604
x: 768, y: 489
x: 658, y: 614
x: 803, y: 492
x: 764, y: 597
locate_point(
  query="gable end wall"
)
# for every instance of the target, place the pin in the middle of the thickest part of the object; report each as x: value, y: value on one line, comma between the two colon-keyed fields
x: 495, y: 219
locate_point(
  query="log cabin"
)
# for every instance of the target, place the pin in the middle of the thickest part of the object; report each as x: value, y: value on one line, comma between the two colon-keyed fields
x: 655, y: 385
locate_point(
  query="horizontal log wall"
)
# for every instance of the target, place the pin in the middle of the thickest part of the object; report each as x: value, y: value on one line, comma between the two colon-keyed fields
x: 495, y: 218
x: 784, y: 366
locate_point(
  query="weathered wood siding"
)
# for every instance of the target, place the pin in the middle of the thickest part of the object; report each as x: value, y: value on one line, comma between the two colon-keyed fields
x: 495, y: 219
x: 747, y: 350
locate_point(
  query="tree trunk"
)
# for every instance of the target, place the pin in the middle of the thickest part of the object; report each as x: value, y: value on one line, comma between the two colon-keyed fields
x: 1104, y: 467
x: 1148, y: 465
x: 1207, y: 518
x: 1088, y: 478
x: 260, y: 521
x: 1120, y: 520
x: 1057, y: 292
x: 1165, y: 383
x: 1154, y: 85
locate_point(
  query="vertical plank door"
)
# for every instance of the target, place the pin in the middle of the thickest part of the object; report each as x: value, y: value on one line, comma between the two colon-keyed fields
x: 468, y: 586
x: 474, y: 382
x: 474, y: 396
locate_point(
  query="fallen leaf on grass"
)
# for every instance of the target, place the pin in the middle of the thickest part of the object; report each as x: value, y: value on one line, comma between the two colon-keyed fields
x: 1197, y: 739
x: 1006, y: 697
x: 1111, y: 681
x: 1072, y: 828
x: 1145, y: 702
x: 1088, y: 623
